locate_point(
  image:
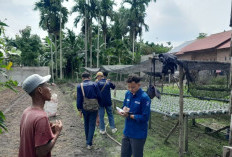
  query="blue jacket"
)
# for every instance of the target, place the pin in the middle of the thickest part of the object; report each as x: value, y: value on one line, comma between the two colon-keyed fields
x: 91, y: 91
x: 139, y: 105
x: 106, y: 92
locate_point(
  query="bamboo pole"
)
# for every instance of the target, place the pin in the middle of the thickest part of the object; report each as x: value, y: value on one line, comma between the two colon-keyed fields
x: 181, y: 102
x: 171, y: 132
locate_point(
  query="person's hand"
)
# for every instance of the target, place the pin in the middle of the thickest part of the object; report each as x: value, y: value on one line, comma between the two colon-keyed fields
x: 126, y: 109
x: 108, y: 79
x: 120, y: 113
x: 56, y: 128
x: 80, y: 114
x: 125, y: 112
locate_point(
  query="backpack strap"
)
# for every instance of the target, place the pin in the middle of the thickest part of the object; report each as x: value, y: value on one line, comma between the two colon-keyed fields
x: 104, y: 86
x: 83, y: 92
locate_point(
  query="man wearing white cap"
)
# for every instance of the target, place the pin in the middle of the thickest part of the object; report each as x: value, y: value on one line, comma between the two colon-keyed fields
x: 37, y: 135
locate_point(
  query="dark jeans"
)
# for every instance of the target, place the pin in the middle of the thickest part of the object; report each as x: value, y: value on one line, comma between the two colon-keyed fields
x: 90, y: 123
x: 132, y: 146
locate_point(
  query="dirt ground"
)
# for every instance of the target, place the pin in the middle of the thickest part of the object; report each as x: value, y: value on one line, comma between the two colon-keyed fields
x: 72, y: 139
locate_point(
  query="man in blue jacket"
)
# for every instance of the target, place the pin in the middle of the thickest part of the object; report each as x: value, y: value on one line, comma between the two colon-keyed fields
x: 136, y: 110
x: 106, y: 104
x: 91, y: 94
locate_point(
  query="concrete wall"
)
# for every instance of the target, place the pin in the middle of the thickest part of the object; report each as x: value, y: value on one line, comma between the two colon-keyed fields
x: 220, y: 55
x: 223, y: 55
x: 19, y: 74
x: 205, y: 56
x: 187, y: 56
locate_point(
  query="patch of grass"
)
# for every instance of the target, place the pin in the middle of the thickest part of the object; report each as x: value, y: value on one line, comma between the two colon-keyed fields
x: 200, y: 144
x: 2, y: 88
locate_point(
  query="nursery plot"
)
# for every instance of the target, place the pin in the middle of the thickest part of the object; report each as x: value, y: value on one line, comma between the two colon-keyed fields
x: 169, y: 105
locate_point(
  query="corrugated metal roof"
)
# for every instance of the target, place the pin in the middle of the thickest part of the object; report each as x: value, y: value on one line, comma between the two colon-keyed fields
x: 209, y: 42
x: 178, y: 48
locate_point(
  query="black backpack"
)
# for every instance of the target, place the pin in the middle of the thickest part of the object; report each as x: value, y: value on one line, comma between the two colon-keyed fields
x: 152, y: 91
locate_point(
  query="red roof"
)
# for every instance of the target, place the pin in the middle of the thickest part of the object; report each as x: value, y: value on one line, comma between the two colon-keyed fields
x: 226, y: 45
x: 209, y: 42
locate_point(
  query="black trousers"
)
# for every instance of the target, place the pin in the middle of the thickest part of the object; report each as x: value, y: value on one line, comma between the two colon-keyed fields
x: 131, y: 146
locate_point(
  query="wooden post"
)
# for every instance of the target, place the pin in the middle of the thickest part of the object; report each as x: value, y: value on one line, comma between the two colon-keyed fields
x: 186, y: 134
x: 170, y: 133
x: 194, y: 122
x: 181, y: 102
x: 227, y: 151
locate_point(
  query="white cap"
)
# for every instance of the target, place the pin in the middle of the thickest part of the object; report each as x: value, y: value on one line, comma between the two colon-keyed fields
x: 33, y: 81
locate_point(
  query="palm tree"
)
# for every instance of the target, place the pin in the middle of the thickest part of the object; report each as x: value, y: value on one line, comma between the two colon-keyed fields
x: 136, y: 18
x: 87, y: 11
x: 106, y: 11
x: 50, y: 12
x: 81, y: 8
x: 73, y: 52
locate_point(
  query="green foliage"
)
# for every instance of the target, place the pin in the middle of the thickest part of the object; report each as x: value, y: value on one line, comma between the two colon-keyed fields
x: 9, y: 83
x: 219, y: 81
x: 209, y: 91
x: 31, y: 47
x: 149, y: 48
x: 2, y: 125
x: 202, y: 35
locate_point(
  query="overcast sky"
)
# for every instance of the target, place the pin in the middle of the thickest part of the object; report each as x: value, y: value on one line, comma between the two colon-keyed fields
x: 176, y: 21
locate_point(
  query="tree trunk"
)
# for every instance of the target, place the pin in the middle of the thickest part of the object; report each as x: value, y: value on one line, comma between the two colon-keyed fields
x: 90, y: 44
x: 61, y: 56
x: 98, y: 51
x: 108, y: 60
x: 52, y: 63
x: 56, y: 55
x: 104, y: 31
x: 133, y: 48
x: 86, y: 36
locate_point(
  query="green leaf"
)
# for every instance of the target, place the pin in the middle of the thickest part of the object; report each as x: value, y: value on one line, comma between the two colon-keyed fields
x: 3, y: 24
x: 3, y: 126
x: 2, y: 115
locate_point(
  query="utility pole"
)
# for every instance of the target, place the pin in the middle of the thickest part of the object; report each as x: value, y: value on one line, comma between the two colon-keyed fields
x: 86, y: 64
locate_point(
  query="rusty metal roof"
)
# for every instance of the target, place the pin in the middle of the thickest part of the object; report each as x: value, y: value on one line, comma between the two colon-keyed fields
x: 210, y: 42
